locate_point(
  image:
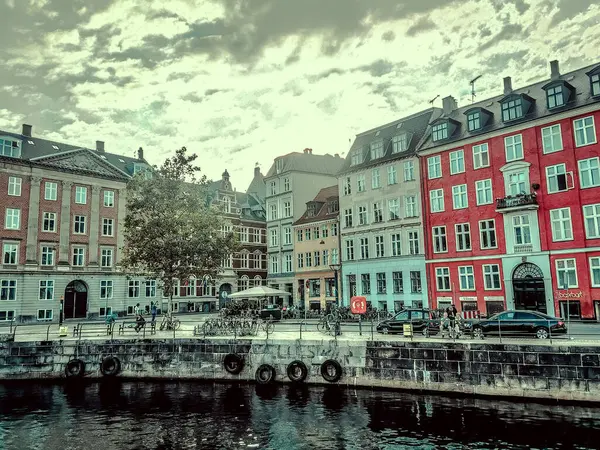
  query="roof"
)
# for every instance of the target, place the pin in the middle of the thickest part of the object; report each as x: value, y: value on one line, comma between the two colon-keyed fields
x: 251, y: 204
x: 578, y: 79
x: 321, y: 201
x: 307, y: 162
x: 414, y: 126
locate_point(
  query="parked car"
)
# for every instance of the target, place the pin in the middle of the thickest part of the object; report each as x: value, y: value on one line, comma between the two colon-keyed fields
x: 272, y: 312
x: 517, y: 323
x: 423, y: 321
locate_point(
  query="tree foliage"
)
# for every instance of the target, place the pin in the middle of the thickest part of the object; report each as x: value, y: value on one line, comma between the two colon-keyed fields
x: 171, y: 231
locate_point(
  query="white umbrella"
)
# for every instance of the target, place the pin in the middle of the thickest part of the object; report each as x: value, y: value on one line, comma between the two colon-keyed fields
x: 258, y: 292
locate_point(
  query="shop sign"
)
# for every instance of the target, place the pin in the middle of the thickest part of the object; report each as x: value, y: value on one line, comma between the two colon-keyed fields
x: 358, y: 305
x: 569, y: 295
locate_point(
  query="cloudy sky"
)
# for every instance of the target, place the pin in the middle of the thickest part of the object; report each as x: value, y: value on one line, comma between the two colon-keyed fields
x: 243, y: 81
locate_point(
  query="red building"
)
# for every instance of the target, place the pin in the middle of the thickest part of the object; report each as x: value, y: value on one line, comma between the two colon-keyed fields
x: 512, y: 199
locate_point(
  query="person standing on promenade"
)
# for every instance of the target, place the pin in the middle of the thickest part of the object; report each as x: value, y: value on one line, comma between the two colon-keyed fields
x: 153, y: 311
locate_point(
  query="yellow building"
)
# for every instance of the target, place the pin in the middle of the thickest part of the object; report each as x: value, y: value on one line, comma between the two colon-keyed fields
x: 317, y: 251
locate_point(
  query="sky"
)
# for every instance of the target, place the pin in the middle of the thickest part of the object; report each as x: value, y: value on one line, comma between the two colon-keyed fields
x: 240, y: 82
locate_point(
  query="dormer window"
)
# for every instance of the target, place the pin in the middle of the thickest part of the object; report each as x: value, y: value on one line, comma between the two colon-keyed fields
x: 474, y: 121
x: 356, y: 157
x: 139, y: 168
x: 10, y: 148
x: 512, y: 109
x: 440, y: 131
x: 311, y: 210
x: 333, y: 207
x: 555, y: 98
x: 377, y: 149
x: 595, y: 80
x: 400, y: 143
x: 278, y: 165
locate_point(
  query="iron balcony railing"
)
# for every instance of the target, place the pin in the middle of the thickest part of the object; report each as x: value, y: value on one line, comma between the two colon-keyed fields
x: 516, y: 201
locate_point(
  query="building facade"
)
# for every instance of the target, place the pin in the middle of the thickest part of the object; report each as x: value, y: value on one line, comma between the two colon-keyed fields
x: 383, y: 255
x: 292, y: 181
x: 511, y: 188
x: 317, y: 248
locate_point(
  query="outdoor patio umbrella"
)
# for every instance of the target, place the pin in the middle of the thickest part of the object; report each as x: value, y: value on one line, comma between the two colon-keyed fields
x: 259, y: 292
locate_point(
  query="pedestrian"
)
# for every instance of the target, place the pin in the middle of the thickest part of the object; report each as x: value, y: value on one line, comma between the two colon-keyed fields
x: 140, y: 322
x: 136, y: 310
x: 153, y: 311
x: 452, y: 311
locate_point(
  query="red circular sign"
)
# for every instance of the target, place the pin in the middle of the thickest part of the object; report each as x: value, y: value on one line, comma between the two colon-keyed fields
x: 358, y: 305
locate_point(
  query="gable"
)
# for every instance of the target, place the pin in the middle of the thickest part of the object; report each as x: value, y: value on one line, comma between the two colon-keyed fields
x: 82, y: 160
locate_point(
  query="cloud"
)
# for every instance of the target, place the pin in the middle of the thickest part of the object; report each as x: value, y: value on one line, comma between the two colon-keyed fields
x: 388, y: 36
x: 421, y: 25
x: 568, y: 9
x: 508, y: 32
x: 377, y: 68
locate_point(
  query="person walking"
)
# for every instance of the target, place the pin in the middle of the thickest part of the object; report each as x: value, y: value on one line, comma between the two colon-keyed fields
x: 153, y: 311
x: 136, y: 310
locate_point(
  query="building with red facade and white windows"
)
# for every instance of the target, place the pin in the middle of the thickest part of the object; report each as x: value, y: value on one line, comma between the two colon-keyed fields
x: 512, y: 198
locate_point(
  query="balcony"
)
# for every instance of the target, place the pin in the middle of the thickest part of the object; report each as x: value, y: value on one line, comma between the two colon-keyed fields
x: 511, y: 203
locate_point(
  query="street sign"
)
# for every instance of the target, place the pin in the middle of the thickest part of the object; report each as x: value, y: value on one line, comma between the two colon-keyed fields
x: 358, y: 305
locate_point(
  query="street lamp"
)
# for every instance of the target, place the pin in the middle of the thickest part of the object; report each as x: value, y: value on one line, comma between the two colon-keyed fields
x: 336, y: 268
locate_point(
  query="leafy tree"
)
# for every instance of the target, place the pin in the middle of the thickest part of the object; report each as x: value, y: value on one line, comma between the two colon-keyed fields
x: 171, y: 231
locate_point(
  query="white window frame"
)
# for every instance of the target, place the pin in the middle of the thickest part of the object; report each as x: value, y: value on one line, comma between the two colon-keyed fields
x: 106, y: 289
x: 78, y: 251
x: 489, y: 271
x: 12, y: 219
x: 287, y: 236
x: 46, y: 290
x: 552, y: 139
x: 590, y: 172
x: 363, y: 215
x: 581, y: 125
x: 108, y: 227
x: 457, y: 162
x: 561, y: 224
x: 396, y: 244
x: 376, y: 149
x: 488, y: 232
x: 564, y: 267
x: 394, y: 208
x: 513, y: 187
x: 466, y: 274
x: 109, y: 199
x: 377, y: 212
x: 273, y: 237
x: 361, y: 185
x: 434, y: 167
x: 8, y: 290
x: 47, y: 254
x: 364, y: 247
x: 379, y: 247
x: 392, y: 175
x: 414, y: 244
x: 375, y: 179
x: 409, y: 171
x: 439, y: 238
x: 81, y: 195
x: 555, y: 168
x: 460, y: 197
x: 442, y: 278
x: 15, y: 186
x: 484, y: 188
x: 513, y: 148
x: 50, y: 190
x: 50, y: 219
x: 436, y: 200
x: 410, y: 206
x: 594, y: 263
x: 107, y: 257
x: 592, y: 213
x: 11, y: 249
x: 479, y: 151
x: 522, y: 222
x: 134, y: 289
x: 462, y: 233
x: 287, y: 209
x: 79, y: 222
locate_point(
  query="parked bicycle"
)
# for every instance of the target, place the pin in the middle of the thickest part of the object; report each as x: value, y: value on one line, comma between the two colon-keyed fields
x: 169, y: 323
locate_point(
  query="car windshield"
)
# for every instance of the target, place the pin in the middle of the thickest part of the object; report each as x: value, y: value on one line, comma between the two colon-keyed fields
x: 506, y: 315
x: 402, y: 315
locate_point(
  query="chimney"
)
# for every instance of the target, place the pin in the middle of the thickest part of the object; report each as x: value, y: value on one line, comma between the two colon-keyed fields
x: 140, y: 154
x: 337, y: 155
x: 26, y: 130
x: 306, y: 150
x: 100, y: 146
x: 507, y: 85
x: 257, y: 171
x: 554, y: 70
x: 449, y: 104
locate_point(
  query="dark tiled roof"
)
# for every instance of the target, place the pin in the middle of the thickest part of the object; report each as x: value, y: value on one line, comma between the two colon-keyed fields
x: 415, y: 127
x: 321, y: 201
x: 307, y: 162
x: 250, y: 203
x: 581, y: 96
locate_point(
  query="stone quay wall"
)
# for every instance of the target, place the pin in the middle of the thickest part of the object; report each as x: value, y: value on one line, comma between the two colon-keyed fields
x: 559, y: 371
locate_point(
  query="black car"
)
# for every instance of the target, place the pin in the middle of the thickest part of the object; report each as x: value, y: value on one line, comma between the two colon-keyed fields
x: 517, y: 323
x: 422, y: 320
x: 271, y: 312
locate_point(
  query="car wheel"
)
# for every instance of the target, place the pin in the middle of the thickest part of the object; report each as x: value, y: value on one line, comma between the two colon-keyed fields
x: 385, y: 330
x: 541, y: 333
x: 426, y: 332
x: 477, y: 332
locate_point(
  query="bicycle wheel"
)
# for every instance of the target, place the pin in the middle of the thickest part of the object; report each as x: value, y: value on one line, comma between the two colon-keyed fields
x: 176, y: 324
x: 163, y: 324
x: 321, y: 327
x: 270, y: 327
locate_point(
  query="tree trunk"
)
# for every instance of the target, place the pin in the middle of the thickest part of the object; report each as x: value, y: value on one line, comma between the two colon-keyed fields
x: 170, y: 314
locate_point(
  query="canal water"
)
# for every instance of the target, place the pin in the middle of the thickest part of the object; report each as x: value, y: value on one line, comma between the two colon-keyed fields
x: 165, y: 416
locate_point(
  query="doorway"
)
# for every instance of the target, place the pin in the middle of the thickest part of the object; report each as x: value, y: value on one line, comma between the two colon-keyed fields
x: 528, y: 288
x: 224, y: 292
x: 75, y: 302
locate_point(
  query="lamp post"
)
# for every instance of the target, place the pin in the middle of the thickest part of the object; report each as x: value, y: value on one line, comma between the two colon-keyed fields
x: 336, y: 268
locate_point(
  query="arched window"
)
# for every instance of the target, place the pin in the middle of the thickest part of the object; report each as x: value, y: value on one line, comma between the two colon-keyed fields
x: 243, y: 283
x: 257, y: 260
x: 257, y: 280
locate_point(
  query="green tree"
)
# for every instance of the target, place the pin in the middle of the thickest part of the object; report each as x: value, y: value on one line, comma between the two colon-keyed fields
x: 171, y: 231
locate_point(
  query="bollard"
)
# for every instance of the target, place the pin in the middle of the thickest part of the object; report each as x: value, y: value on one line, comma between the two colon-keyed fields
x: 372, y: 335
x: 301, y: 323
x: 360, y: 324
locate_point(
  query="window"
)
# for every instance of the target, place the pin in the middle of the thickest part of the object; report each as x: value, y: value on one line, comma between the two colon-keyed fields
x: 491, y: 276
x: 375, y: 179
x: 8, y: 290
x: 44, y: 314
x: 415, y: 282
x: 400, y: 143
x: 316, y: 232
x: 474, y: 121
x: 257, y: 235
x: 552, y: 139
x: 466, y: 278
x: 379, y: 247
x: 440, y: 244
x: 244, y: 260
x: 513, y: 147
x: 273, y: 212
x: 585, y: 132
x: 287, y: 236
x: 287, y: 209
x: 326, y: 258
x: 481, y: 156
x: 107, y: 227
x: 377, y: 212
x: 413, y: 242
x: 134, y: 289
x: 376, y: 149
x: 360, y: 183
x: 595, y: 80
x: 347, y: 186
x: 308, y: 256
x: 556, y: 177
x: 512, y: 109
x: 106, y: 257
x: 562, y: 229
x: 392, y: 175
x: 334, y: 229
x: 394, y: 209
x: 396, y: 244
x: 364, y: 248
x: 106, y: 289
x: 589, y: 173
x: 555, y: 97
x: 14, y: 186
x: 47, y: 256
x: 10, y: 148
x: 483, y: 188
x: 487, y: 232
x: 78, y: 256
x: 80, y: 195
x: 325, y: 231
x: 244, y: 234
x: 381, y: 283
x: 365, y: 281
x: 348, y: 217
x: 50, y: 190
x: 334, y: 256
x: 362, y: 215
x: 317, y: 258
x: 49, y: 222
x: 46, y: 291
x: 595, y: 271
x: 274, y: 264
x: 7, y: 316
x: 522, y: 230
x: 591, y: 213
x: 299, y: 235
x: 517, y: 183
x: 288, y: 263
x: 410, y: 204
x: 409, y: 171
x: 434, y: 167
x: 274, y: 238
x: 436, y: 198
x: 273, y: 188
x: 398, y: 286
x: 300, y: 261
x: 79, y: 225
x: 439, y: 131
x: 286, y: 184
x: 109, y: 199
x: 457, y: 162
x: 12, y: 219
x: 356, y: 157
x: 459, y: 196
x: 566, y: 273
x: 11, y: 254
x: 463, y: 237
x: 442, y: 276
x: 151, y: 288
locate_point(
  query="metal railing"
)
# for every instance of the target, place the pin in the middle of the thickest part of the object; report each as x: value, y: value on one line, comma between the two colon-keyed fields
x: 516, y: 201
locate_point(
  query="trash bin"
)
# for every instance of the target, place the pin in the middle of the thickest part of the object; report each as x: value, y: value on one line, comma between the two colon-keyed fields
x: 408, y: 330
x: 63, y: 331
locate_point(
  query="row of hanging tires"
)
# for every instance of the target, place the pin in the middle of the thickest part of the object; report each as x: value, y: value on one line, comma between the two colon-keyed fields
x: 297, y: 372
x: 109, y: 367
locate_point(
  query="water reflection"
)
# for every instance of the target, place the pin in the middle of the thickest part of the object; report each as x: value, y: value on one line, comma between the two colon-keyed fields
x: 127, y: 416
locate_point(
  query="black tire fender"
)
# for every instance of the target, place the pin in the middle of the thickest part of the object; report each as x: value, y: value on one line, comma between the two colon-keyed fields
x: 292, y: 371
x: 233, y: 363
x: 265, y: 374
x: 75, y: 368
x: 329, y: 366
x: 110, y: 366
